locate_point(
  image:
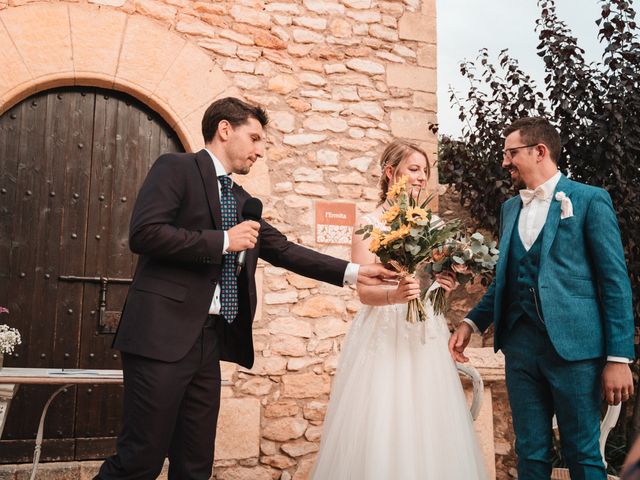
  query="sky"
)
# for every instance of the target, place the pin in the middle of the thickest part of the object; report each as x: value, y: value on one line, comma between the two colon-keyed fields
x: 466, y: 26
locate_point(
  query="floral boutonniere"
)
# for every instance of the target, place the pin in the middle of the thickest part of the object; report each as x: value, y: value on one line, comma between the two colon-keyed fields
x: 566, y: 207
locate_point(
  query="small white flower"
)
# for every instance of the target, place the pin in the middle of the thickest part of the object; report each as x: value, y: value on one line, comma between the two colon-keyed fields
x: 566, y: 207
x: 9, y: 337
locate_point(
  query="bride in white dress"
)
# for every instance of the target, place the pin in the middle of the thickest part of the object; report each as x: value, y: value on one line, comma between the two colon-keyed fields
x: 397, y: 408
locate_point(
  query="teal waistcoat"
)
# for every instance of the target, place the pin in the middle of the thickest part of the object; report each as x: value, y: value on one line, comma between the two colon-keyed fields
x: 522, y: 297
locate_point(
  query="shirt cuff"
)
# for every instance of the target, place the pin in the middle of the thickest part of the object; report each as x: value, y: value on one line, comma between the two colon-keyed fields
x: 472, y: 324
x: 225, y: 243
x: 618, y: 359
x: 351, y: 274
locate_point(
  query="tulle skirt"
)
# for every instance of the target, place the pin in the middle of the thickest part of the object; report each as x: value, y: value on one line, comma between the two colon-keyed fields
x: 397, y: 408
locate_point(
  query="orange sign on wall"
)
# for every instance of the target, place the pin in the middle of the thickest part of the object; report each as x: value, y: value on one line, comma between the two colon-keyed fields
x: 335, y: 222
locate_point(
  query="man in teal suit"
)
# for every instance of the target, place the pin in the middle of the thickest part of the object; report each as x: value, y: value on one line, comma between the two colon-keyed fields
x: 561, y: 305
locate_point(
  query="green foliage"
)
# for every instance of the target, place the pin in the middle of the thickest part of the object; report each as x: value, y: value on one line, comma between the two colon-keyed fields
x: 596, y: 108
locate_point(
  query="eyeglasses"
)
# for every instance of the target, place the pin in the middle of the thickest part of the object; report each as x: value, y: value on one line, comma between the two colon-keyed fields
x: 509, y: 153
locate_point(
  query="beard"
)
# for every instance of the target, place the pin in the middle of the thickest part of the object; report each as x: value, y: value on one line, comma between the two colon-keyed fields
x: 516, y: 180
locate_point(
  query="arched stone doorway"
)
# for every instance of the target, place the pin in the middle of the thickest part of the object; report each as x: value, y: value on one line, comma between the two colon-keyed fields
x: 71, y: 162
x: 81, y: 44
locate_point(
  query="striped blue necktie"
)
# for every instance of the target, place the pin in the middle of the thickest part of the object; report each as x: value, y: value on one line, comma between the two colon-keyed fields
x: 228, y: 282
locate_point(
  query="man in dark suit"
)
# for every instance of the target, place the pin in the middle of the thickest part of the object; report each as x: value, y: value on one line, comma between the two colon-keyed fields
x: 186, y: 310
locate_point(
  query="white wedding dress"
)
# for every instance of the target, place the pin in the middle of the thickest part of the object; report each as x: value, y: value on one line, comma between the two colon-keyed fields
x: 397, y: 409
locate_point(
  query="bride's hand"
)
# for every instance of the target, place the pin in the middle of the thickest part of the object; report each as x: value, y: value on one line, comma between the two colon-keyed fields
x: 408, y: 289
x: 447, y: 280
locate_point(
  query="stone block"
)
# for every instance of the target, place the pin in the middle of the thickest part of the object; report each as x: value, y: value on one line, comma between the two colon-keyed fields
x: 288, y: 345
x: 384, y: 33
x: 412, y: 125
x: 428, y: 55
x: 312, y: 189
x: 146, y: 48
x: 235, y: 37
x: 157, y: 10
x: 266, y: 40
x: 244, y: 473
x: 303, y: 471
x: 340, y: 28
x: 14, y: 72
x: 365, y: 66
x: 412, y: 77
x: 365, y: 16
x: 268, y: 366
x: 284, y: 429
x: 192, y: 26
x: 94, y: 33
x: 315, y: 410
x: 318, y: 306
x: 330, y: 327
x: 305, y: 385
x: 324, y: 7
x: 283, y: 84
x: 282, y: 408
x: 45, y: 46
x: 186, y: 91
x: 238, y: 434
x: 426, y: 101
x: 252, y: 16
x: 302, y: 35
x: 418, y: 27
x: 300, y: 448
x: 297, y: 140
x: 300, y: 363
x: 319, y: 123
x: 257, y: 386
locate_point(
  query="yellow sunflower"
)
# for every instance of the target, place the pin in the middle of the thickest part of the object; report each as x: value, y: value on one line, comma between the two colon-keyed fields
x: 397, y: 187
x: 415, y: 214
x: 390, y: 214
x: 401, y: 232
x: 375, y: 240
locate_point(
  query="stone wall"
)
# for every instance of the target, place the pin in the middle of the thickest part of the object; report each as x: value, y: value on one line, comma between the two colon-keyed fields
x: 339, y: 79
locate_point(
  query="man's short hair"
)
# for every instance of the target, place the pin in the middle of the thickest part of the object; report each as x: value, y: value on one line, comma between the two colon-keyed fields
x: 537, y: 130
x: 234, y: 111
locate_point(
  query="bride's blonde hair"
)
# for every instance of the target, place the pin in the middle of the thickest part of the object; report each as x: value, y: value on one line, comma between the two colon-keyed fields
x: 393, y: 156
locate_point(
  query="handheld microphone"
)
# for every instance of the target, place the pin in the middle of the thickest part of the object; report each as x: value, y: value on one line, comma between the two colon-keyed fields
x: 251, y: 210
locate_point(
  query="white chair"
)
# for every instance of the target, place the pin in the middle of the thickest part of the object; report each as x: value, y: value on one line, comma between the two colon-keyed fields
x: 608, y: 422
x: 478, y: 387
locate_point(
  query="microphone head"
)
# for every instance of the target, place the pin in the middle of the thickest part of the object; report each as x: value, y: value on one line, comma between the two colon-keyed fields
x: 252, y: 210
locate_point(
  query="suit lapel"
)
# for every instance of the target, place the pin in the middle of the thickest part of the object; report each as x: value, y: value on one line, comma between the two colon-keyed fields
x: 510, y: 217
x: 553, y: 218
x: 210, y: 182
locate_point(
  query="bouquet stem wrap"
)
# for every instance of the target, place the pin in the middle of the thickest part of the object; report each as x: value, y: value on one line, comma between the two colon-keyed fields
x: 415, y: 308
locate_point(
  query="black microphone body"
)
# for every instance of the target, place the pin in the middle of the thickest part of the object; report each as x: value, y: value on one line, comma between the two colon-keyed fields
x: 251, y: 210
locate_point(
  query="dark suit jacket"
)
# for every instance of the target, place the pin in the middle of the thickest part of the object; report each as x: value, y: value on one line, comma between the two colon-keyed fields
x: 176, y: 230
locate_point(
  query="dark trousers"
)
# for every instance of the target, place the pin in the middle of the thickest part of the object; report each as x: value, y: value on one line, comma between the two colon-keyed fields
x: 170, y: 409
x: 541, y: 383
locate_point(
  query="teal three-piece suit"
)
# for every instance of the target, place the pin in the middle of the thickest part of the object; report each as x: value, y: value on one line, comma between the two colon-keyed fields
x: 560, y: 309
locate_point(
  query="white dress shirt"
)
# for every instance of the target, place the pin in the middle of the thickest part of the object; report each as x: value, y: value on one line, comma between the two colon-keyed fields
x: 533, y: 216
x: 350, y: 273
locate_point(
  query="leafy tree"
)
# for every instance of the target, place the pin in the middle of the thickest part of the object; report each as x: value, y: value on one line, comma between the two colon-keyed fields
x: 595, y: 106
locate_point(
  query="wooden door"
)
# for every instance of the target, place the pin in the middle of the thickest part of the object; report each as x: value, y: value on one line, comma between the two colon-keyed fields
x: 71, y: 163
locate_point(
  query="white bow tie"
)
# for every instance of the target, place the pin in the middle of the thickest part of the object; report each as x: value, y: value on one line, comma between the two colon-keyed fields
x: 528, y: 195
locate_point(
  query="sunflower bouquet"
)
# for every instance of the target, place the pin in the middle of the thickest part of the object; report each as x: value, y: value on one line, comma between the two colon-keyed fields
x: 468, y: 257
x: 409, y: 238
